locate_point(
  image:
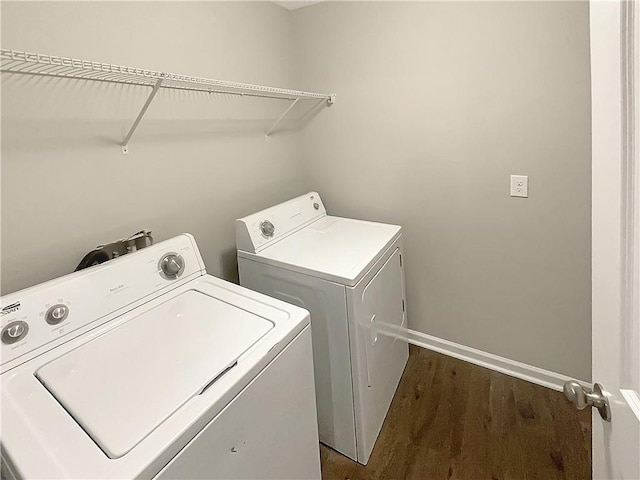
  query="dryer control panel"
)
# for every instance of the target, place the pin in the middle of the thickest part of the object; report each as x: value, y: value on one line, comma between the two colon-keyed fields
x: 258, y: 231
x: 39, y: 318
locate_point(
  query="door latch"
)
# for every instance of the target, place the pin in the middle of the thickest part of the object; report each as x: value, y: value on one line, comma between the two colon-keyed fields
x: 582, y: 397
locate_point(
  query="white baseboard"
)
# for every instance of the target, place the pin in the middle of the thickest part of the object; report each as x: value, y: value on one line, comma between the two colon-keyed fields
x: 513, y: 368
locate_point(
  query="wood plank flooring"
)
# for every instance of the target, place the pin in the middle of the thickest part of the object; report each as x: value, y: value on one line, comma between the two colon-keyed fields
x: 453, y: 420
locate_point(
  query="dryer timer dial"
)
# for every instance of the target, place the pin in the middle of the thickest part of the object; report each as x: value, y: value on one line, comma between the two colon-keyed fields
x: 267, y: 228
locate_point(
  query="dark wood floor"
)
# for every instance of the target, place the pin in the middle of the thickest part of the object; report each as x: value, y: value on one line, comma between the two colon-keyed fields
x: 453, y: 420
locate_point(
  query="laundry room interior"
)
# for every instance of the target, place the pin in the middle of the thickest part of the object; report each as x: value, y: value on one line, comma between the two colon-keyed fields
x: 467, y: 124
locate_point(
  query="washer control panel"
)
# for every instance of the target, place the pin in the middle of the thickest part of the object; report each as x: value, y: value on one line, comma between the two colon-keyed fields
x: 40, y: 316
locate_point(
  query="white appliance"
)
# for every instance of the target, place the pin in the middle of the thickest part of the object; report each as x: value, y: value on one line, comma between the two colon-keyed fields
x: 146, y: 367
x: 349, y: 275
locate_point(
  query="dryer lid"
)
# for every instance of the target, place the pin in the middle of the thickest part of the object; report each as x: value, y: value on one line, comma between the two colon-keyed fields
x: 337, y: 249
x: 124, y: 384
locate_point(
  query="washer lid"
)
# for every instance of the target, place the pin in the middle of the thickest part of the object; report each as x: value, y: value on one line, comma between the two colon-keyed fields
x: 122, y: 385
x: 337, y: 249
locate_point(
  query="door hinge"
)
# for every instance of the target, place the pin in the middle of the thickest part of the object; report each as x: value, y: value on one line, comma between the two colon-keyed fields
x: 400, y: 259
x: 403, y: 304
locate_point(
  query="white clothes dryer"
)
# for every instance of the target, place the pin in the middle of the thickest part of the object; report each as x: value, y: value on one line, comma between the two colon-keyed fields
x: 349, y: 274
x: 146, y: 367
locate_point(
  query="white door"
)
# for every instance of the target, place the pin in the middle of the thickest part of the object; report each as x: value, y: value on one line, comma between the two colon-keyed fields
x: 378, y: 360
x: 616, y: 248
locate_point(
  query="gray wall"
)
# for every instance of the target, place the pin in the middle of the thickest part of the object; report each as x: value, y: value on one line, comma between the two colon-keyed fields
x: 437, y: 104
x: 197, y: 162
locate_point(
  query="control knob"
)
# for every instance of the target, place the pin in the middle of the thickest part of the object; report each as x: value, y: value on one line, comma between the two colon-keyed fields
x: 267, y: 228
x: 14, y: 332
x: 172, y: 265
x: 56, y: 314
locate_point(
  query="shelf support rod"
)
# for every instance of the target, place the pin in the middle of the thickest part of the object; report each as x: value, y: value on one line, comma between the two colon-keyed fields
x: 125, y: 143
x: 266, y: 135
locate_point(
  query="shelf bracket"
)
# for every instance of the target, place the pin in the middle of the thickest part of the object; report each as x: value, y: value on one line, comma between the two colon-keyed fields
x: 266, y: 135
x: 125, y: 143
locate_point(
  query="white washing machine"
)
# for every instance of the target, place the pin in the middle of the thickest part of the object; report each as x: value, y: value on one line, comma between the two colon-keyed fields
x: 349, y: 275
x: 146, y: 367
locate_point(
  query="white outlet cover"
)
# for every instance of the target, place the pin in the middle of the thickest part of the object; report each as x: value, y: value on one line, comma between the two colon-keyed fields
x: 520, y: 186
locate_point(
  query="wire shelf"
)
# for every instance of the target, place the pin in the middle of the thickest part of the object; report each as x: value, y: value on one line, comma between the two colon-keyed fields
x: 26, y: 63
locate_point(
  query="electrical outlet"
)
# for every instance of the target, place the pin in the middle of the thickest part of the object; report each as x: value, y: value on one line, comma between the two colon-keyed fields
x: 519, y: 186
